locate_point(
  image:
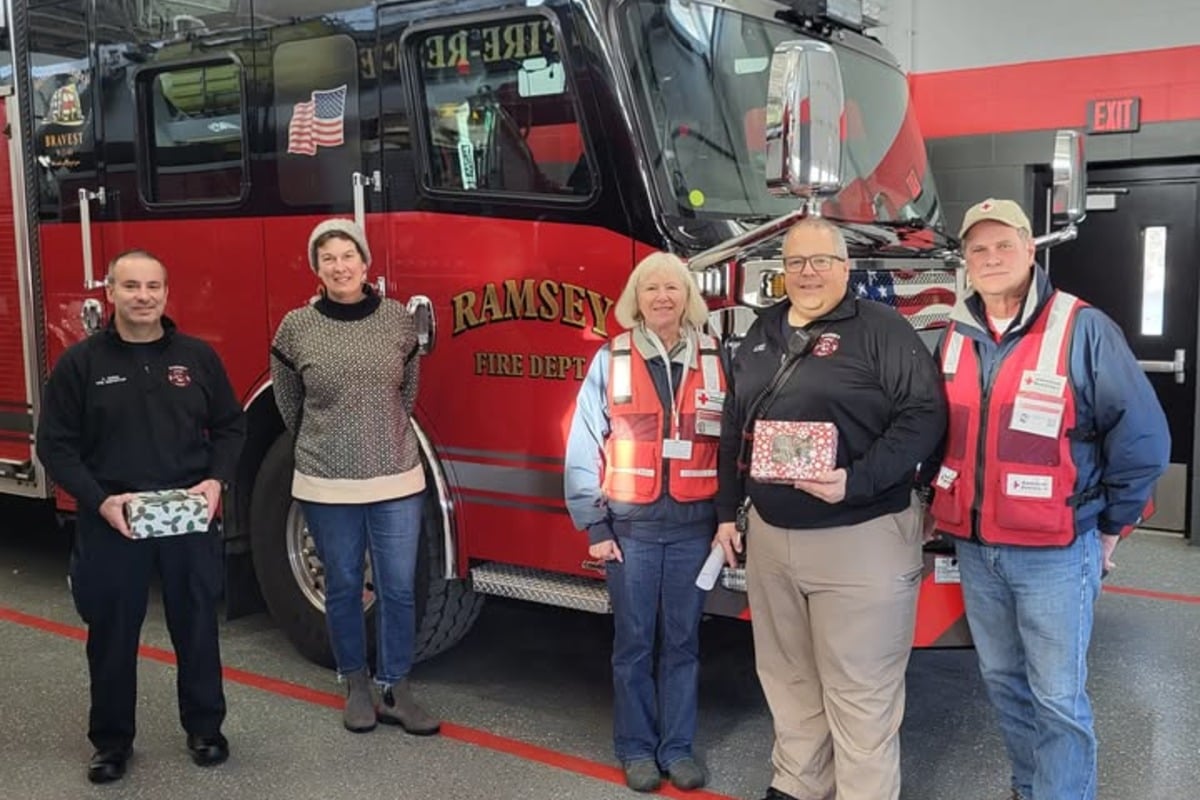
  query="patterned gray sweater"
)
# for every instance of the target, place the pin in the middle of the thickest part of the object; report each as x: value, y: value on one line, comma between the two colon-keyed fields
x: 345, y: 378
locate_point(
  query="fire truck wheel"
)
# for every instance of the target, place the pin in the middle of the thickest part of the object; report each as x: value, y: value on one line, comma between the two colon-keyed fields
x: 446, y: 609
x: 291, y: 579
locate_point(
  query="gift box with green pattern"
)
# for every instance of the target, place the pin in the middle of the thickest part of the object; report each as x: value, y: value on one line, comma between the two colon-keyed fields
x: 166, y: 513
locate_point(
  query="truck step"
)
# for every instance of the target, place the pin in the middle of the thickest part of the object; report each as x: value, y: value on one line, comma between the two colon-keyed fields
x: 540, y: 586
x: 16, y: 470
x: 734, y: 579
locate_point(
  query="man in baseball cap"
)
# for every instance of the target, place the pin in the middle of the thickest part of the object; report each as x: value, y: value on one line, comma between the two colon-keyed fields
x: 1006, y: 211
x: 1053, y: 461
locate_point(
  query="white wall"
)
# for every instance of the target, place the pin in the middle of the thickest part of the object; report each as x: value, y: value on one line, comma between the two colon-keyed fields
x: 938, y: 35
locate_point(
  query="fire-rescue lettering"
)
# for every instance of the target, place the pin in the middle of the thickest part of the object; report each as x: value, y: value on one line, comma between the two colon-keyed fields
x: 529, y: 299
x: 518, y: 40
x: 1016, y: 476
x: 455, y: 49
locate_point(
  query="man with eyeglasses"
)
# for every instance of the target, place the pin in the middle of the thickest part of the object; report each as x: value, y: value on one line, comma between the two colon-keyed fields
x: 833, y: 563
x: 1057, y: 441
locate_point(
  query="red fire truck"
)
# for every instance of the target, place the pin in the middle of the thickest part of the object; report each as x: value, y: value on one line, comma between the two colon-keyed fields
x: 511, y: 160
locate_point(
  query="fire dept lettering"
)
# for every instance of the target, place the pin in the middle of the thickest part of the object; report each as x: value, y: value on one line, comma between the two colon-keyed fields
x: 531, y: 365
x: 530, y: 299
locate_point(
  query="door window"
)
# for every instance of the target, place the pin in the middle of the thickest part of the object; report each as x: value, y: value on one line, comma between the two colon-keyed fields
x: 194, y: 134
x: 1154, y: 278
x: 60, y: 96
x: 499, y: 110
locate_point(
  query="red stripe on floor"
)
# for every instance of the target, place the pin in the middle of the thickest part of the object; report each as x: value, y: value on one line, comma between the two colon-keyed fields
x: 460, y: 733
x: 1151, y: 595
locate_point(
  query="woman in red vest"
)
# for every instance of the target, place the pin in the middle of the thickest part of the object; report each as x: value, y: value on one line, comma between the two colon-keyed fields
x: 641, y: 472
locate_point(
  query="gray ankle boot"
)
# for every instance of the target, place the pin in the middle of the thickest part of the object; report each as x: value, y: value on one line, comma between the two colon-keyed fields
x: 359, y: 714
x: 399, y: 708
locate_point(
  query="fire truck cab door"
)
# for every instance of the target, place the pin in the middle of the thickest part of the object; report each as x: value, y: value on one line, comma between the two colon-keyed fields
x: 48, y: 160
x: 68, y: 169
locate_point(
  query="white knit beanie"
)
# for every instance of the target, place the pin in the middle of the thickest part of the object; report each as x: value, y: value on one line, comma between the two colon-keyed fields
x: 344, y: 227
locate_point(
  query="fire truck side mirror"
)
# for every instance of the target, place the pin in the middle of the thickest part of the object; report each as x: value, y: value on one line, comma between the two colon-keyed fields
x: 421, y: 308
x: 1068, y: 198
x: 805, y: 105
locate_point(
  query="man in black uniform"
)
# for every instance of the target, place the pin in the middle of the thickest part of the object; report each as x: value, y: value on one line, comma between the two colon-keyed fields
x: 833, y: 562
x: 134, y: 408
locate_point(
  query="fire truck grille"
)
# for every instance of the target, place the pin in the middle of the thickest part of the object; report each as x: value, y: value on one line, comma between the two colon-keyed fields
x: 538, y: 586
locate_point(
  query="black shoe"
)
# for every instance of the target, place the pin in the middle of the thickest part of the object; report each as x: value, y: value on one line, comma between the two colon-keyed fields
x: 775, y: 794
x: 208, y: 751
x: 108, y: 764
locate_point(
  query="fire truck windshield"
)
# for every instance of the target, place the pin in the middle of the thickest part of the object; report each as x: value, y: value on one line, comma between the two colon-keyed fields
x: 700, y: 74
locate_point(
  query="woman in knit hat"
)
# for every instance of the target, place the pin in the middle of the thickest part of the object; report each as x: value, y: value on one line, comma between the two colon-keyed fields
x: 345, y: 369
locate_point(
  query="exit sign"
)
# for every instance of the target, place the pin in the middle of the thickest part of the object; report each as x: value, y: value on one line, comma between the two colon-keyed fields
x: 1119, y: 115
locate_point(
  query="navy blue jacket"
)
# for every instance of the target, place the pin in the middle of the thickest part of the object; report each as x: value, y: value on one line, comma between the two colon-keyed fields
x: 122, y: 417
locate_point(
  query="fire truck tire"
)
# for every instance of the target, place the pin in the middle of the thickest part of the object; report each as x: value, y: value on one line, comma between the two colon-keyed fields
x: 445, y: 609
x: 272, y: 511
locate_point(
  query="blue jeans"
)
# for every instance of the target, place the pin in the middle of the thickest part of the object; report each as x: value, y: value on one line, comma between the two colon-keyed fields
x: 656, y: 586
x: 392, y: 531
x: 1030, y: 611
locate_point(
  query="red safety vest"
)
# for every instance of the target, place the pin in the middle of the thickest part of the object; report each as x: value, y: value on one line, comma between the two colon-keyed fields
x: 1020, y: 481
x: 633, y: 452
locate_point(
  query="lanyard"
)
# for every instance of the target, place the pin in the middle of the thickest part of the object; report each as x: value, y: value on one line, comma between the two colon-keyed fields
x: 676, y: 402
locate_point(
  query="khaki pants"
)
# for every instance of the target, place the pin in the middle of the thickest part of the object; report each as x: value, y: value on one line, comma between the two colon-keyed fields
x: 833, y: 611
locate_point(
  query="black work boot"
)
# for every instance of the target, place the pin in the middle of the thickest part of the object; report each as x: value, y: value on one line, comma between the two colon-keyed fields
x: 108, y: 764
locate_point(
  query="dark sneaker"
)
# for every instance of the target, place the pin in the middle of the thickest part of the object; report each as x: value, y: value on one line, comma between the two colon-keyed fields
x: 642, y: 775
x: 686, y: 774
x: 775, y: 794
x: 208, y: 751
x: 108, y: 764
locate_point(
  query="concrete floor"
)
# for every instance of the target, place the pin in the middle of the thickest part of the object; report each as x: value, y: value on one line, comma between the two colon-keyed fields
x: 528, y: 697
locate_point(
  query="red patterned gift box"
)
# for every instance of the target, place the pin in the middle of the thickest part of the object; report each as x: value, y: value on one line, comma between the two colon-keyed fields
x: 786, y: 452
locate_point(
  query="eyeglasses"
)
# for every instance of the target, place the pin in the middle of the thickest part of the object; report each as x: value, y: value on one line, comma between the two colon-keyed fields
x: 820, y: 262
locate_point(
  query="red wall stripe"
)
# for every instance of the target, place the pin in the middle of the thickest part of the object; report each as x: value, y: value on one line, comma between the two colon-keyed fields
x: 1054, y: 94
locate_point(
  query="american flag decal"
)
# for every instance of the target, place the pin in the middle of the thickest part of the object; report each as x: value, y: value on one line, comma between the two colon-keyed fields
x: 924, y: 297
x: 318, y: 122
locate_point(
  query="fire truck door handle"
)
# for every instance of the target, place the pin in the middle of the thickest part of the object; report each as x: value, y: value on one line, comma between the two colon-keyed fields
x: 360, y: 183
x: 85, y: 230
x: 421, y: 308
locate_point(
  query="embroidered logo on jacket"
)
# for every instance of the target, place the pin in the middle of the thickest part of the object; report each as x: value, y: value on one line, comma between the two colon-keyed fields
x: 827, y: 345
x: 109, y: 380
x: 179, y: 376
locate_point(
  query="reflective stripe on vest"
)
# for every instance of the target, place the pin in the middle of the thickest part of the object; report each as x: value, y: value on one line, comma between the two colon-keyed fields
x: 633, y: 450
x: 1021, y: 484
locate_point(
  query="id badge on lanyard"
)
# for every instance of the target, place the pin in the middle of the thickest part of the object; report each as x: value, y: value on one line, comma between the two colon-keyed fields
x: 675, y: 446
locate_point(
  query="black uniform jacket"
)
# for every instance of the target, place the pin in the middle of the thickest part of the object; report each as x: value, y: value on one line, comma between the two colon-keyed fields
x: 871, y: 376
x: 122, y: 417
